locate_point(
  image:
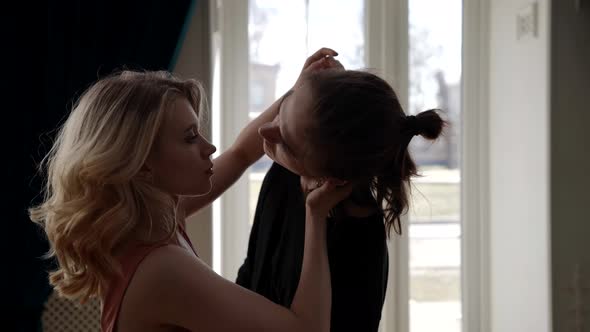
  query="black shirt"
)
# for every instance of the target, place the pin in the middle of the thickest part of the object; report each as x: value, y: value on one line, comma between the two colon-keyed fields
x: 357, y: 252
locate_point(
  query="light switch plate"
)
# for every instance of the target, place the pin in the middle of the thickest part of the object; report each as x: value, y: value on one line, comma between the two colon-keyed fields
x: 527, y: 21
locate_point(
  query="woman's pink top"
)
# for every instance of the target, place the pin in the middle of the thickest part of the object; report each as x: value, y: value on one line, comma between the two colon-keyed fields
x: 130, y: 260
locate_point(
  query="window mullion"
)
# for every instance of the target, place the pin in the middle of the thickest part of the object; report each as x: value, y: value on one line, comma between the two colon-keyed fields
x: 475, y: 185
x: 232, y: 24
x: 386, y: 35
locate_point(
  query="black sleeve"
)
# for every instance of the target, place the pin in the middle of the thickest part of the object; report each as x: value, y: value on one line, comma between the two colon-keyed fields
x: 244, y: 277
x: 358, y: 265
x: 245, y: 271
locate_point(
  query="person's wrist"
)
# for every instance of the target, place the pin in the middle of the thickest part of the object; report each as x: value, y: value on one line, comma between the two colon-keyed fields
x: 314, y: 215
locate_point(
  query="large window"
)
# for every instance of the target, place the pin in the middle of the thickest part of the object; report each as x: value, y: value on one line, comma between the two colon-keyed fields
x: 281, y: 34
x: 435, y: 214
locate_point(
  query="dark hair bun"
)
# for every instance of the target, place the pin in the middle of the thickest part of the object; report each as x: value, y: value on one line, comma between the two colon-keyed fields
x: 429, y: 124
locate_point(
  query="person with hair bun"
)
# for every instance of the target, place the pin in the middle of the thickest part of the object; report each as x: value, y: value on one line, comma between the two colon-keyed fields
x: 343, y: 126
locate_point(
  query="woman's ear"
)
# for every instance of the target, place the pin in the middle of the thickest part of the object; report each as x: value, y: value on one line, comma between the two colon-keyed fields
x: 145, y: 173
x: 148, y: 163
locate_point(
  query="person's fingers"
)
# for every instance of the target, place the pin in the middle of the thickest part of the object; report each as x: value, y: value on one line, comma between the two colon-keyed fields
x: 323, y: 63
x: 321, y: 59
x: 333, y: 63
x: 329, y: 194
x: 327, y: 62
x: 318, y: 64
x: 321, y: 53
x: 306, y: 183
x: 336, y: 191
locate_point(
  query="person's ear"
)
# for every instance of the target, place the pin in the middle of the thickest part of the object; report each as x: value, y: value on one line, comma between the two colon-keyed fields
x: 271, y: 132
x: 146, y: 173
x: 148, y: 164
x: 338, y: 182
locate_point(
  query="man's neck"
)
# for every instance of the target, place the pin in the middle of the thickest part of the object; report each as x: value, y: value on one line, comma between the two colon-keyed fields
x: 353, y: 210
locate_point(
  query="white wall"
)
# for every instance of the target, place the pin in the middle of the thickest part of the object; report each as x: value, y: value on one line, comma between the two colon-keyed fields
x: 519, y: 172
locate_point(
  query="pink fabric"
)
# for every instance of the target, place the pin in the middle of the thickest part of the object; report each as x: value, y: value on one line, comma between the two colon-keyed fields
x: 113, y: 297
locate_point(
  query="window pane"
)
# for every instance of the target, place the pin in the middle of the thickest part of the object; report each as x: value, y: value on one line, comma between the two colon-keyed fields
x: 277, y: 37
x: 435, y: 212
x: 282, y: 34
x: 338, y: 24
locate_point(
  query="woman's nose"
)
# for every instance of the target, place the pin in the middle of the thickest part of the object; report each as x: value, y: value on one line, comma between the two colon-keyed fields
x: 270, y: 132
x: 209, y: 149
x: 212, y: 149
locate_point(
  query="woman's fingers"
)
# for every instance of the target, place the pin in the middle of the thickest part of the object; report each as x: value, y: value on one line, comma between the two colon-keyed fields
x: 327, y: 62
x: 321, y: 59
x: 322, y: 199
x: 319, y: 64
x: 319, y: 54
x: 334, y: 64
x: 331, y: 192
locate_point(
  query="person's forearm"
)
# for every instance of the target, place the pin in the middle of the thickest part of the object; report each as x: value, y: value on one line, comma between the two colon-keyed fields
x: 249, y: 143
x: 313, y: 298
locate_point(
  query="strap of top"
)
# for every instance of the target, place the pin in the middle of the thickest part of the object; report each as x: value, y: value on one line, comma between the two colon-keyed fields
x: 130, y: 260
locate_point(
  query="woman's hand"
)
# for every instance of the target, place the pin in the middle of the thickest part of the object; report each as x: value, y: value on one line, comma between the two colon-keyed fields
x: 324, y: 194
x: 321, y: 59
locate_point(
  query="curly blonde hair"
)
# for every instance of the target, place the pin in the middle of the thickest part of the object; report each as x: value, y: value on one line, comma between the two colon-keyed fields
x: 96, y: 198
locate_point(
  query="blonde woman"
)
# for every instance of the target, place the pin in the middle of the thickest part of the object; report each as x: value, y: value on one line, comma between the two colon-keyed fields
x: 127, y: 167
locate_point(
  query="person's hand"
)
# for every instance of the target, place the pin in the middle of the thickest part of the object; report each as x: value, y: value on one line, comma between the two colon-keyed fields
x: 324, y: 194
x: 321, y: 59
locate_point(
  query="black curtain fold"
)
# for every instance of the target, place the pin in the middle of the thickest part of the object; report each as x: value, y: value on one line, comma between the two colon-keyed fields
x: 55, y: 50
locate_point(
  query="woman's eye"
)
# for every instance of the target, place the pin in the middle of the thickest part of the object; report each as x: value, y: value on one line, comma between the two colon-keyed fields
x: 193, y: 138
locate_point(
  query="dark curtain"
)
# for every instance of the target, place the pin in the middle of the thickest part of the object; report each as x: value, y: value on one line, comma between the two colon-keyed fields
x: 53, y: 51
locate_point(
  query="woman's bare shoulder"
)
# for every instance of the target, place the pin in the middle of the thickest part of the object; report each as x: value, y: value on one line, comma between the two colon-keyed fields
x: 175, y: 288
x: 169, y: 263
x: 160, y: 282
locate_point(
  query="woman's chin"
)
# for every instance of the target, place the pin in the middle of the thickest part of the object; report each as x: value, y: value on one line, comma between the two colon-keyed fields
x: 289, y: 167
x: 202, y: 191
x: 271, y: 154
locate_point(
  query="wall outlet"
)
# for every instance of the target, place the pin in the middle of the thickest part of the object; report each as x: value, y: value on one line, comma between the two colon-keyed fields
x: 527, y: 22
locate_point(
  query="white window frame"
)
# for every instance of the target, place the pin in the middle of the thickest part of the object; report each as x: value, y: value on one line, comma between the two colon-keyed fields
x: 475, y: 184
x: 230, y: 102
x: 387, y: 51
